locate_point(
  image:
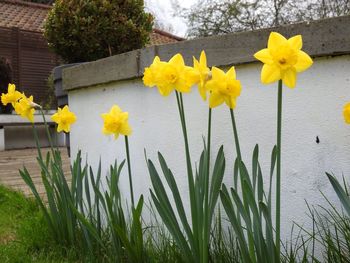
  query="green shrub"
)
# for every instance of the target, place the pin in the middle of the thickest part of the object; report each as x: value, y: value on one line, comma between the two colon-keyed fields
x: 86, y: 30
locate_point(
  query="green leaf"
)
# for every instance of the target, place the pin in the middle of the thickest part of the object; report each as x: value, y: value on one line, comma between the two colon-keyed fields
x: 177, y: 198
x: 341, y: 193
x: 229, y: 208
x: 255, y: 164
x: 216, y: 182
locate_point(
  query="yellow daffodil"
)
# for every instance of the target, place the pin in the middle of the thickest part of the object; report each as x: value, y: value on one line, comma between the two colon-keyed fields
x: 116, y: 122
x: 346, y: 113
x: 283, y: 59
x: 64, y: 118
x: 151, y: 72
x: 25, y: 107
x: 12, y: 96
x: 171, y: 75
x: 203, y: 73
x: 223, y: 88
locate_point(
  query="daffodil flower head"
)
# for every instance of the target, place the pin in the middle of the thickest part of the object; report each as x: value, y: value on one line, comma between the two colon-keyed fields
x: 223, y: 87
x: 169, y: 76
x: 283, y: 59
x: 346, y: 113
x: 12, y: 96
x: 203, y: 73
x: 151, y: 72
x: 64, y: 119
x: 24, y: 107
x: 116, y: 122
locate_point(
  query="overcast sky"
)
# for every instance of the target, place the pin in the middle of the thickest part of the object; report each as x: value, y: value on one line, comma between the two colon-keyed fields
x: 163, y: 10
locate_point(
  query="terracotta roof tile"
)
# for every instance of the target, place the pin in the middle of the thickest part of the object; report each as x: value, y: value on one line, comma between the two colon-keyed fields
x: 159, y: 37
x: 24, y: 15
x: 31, y: 16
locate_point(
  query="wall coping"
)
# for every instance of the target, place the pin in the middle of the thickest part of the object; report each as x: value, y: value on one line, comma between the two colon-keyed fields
x: 328, y: 37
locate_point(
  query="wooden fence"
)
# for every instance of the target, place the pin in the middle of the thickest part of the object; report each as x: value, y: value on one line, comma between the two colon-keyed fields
x: 31, y: 61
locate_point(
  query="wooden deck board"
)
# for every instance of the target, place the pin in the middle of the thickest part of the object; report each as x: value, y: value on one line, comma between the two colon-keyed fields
x: 13, y: 160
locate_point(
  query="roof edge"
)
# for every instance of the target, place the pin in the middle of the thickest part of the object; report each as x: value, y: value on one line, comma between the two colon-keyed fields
x: 167, y: 34
x: 30, y: 4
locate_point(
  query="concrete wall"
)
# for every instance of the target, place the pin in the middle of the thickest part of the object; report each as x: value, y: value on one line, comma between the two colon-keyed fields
x: 17, y: 133
x: 20, y: 137
x: 313, y: 108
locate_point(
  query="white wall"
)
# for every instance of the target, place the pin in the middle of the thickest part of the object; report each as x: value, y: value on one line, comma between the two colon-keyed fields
x: 313, y: 108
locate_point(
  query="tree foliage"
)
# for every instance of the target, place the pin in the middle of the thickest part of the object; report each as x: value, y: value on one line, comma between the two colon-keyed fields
x: 86, y: 30
x: 215, y: 17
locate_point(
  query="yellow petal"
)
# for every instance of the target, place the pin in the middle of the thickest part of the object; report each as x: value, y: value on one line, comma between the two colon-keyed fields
x: 65, y: 127
x: 30, y: 116
x: 217, y: 74
x: 55, y: 117
x: 289, y: 77
x: 125, y: 129
x: 230, y: 102
x: 156, y: 60
x: 231, y: 73
x: 105, y: 131
x: 264, y: 56
x: 202, y: 91
x: 115, y: 110
x: 183, y: 85
x: 346, y: 113
x: 203, y: 59
x: 304, y: 61
x: 215, y: 99
x: 4, y: 100
x: 195, y: 63
x: 191, y: 75
x: 177, y: 60
x: 296, y: 42
x: 275, y: 40
x: 270, y: 73
x: 11, y: 88
x: 59, y: 128
x: 165, y: 89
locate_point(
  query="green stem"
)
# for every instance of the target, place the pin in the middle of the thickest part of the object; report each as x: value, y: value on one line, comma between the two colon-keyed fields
x: 129, y: 170
x: 57, y: 160
x: 189, y: 168
x: 245, y: 202
x: 278, y: 177
x: 36, y: 138
x: 47, y: 129
x: 207, y: 223
x: 235, y: 133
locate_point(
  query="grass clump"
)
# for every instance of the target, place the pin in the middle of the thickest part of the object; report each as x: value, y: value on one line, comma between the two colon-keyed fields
x: 24, y: 235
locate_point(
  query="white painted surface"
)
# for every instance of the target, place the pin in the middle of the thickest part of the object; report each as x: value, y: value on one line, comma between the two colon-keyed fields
x: 313, y: 108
